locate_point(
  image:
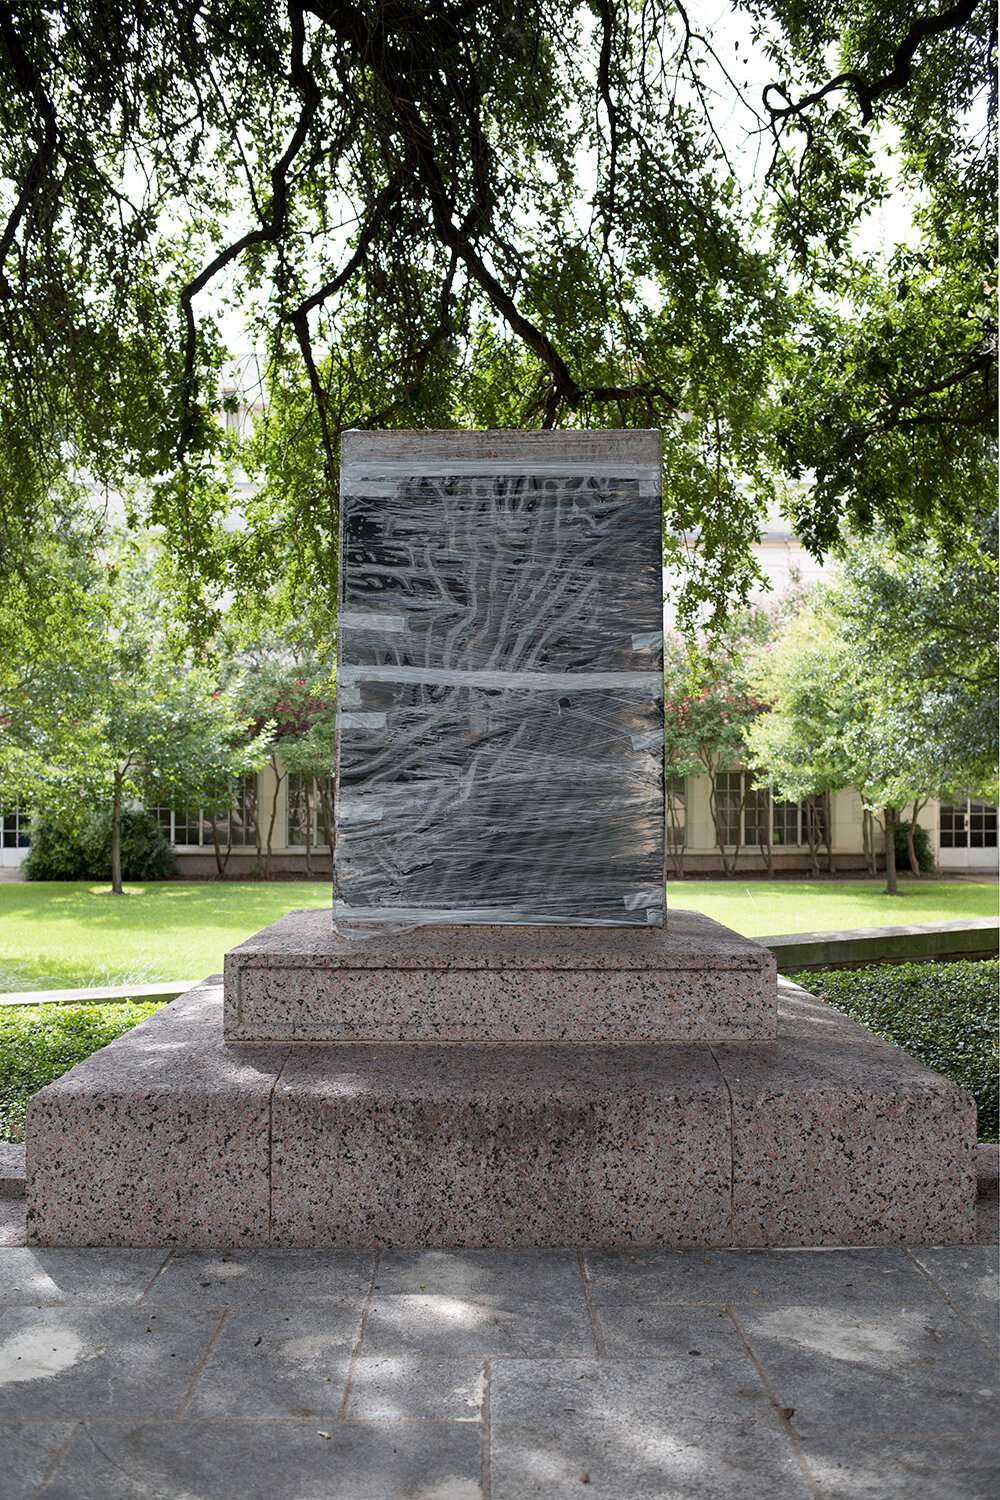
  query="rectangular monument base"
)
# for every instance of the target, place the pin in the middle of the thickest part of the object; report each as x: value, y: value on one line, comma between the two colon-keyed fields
x: 826, y: 1136
x: 693, y: 980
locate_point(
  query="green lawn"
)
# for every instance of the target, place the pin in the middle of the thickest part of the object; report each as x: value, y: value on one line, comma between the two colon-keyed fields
x: 768, y: 907
x: 57, y: 935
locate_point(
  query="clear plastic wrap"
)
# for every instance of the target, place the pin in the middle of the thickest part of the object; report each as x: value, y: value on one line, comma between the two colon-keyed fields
x: 500, y: 681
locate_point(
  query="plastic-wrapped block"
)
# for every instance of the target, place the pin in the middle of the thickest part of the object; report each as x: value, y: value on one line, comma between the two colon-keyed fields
x: 500, y: 680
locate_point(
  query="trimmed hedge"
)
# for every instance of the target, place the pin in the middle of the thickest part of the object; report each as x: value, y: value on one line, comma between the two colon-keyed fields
x: 40, y: 1042
x: 63, y: 850
x: 943, y: 1014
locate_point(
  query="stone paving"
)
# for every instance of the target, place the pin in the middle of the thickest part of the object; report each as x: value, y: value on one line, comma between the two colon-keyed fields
x: 862, y: 1374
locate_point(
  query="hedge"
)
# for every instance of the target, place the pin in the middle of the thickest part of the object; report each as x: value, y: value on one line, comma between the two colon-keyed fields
x: 40, y: 1042
x: 943, y: 1014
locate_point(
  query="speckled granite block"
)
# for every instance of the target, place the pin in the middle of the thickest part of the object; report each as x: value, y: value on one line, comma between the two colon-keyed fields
x: 500, y: 1146
x: 161, y: 1138
x: 840, y: 1138
x: 825, y: 1136
x: 694, y: 980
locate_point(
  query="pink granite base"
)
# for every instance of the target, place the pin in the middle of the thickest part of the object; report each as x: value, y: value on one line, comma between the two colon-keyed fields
x: 161, y: 1138
x: 693, y: 980
x: 825, y: 1136
x: 500, y: 1146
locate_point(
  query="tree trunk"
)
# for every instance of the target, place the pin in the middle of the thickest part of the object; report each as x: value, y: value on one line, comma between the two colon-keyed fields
x: 309, y: 826
x: 278, y: 779
x: 812, y: 835
x: 915, y: 869
x: 891, y: 883
x: 116, y: 838
x: 221, y: 860
x: 827, y: 830
x: 713, y: 804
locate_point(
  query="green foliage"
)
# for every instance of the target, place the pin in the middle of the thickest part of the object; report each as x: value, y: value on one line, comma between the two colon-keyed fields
x: 41, y: 1042
x: 57, y: 849
x: 943, y: 1014
x: 514, y: 214
x: 64, y: 849
x: 921, y: 845
x: 885, y: 680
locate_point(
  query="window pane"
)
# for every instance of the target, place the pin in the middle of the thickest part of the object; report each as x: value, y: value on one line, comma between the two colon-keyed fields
x: 729, y: 793
x: 756, y: 810
x: 786, y: 823
x: 244, y: 809
x: 952, y: 830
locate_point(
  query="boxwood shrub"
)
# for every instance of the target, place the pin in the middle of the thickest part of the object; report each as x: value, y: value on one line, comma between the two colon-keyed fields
x: 943, y: 1014
x: 40, y: 1042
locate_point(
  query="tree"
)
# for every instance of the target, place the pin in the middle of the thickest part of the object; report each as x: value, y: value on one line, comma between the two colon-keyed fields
x: 287, y: 693
x: 886, y: 682
x: 709, y: 708
x: 98, y: 707
x: 449, y: 214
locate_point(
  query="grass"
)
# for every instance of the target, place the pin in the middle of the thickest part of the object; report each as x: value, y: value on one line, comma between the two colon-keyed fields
x: 65, y: 934
x: 943, y: 1014
x: 40, y: 1042
x: 765, y: 908
x: 61, y: 935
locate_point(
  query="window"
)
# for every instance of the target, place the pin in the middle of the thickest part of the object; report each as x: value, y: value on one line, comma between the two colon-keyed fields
x: 968, y: 825
x: 234, y: 826
x: 747, y: 813
x: 14, y: 831
x: 676, y: 811
x: 304, y: 809
x: 729, y: 797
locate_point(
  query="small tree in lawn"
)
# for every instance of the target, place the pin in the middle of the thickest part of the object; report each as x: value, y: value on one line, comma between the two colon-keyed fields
x: 287, y: 691
x: 800, y: 745
x: 113, y: 712
x: 709, y: 706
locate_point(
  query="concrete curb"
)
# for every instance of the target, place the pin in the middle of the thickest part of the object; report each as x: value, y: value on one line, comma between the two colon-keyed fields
x: 977, y: 937
x: 161, y: 989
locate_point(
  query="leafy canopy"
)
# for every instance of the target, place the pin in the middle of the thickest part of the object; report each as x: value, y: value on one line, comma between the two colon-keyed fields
x: 492, y: 214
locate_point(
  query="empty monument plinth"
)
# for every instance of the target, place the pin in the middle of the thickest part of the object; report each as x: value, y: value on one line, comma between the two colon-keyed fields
x: 824, y: 1136
x: 300, y: 981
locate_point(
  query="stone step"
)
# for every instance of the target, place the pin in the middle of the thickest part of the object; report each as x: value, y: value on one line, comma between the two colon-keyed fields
x: 826, y: 1136
x: 693, y: 980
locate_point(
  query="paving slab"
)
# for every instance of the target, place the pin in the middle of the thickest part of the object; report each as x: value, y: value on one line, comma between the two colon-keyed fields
x: 307, y: 1460
x: 653, y: 1330
x: 679, y: 1429
x: 499, y: 1277
x: 969, y: 1276
x: 732, y: 1277
x: 417, y: 1390
x: 277, y: 1364
x: 875, y: 1372
x: 904, y: 1469
x: 443, y: 1324
x: 65, y: 1362
x: 75, y: 1277
x: 263, y: 1278
x: 30, y: 1450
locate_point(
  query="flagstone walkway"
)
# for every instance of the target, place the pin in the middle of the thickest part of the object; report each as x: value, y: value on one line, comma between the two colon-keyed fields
x: 863, y: 1374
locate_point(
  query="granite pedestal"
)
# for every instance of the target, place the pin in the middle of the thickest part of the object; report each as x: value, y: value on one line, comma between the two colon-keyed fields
x: 694, y: 980
x: 821, y: 1135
